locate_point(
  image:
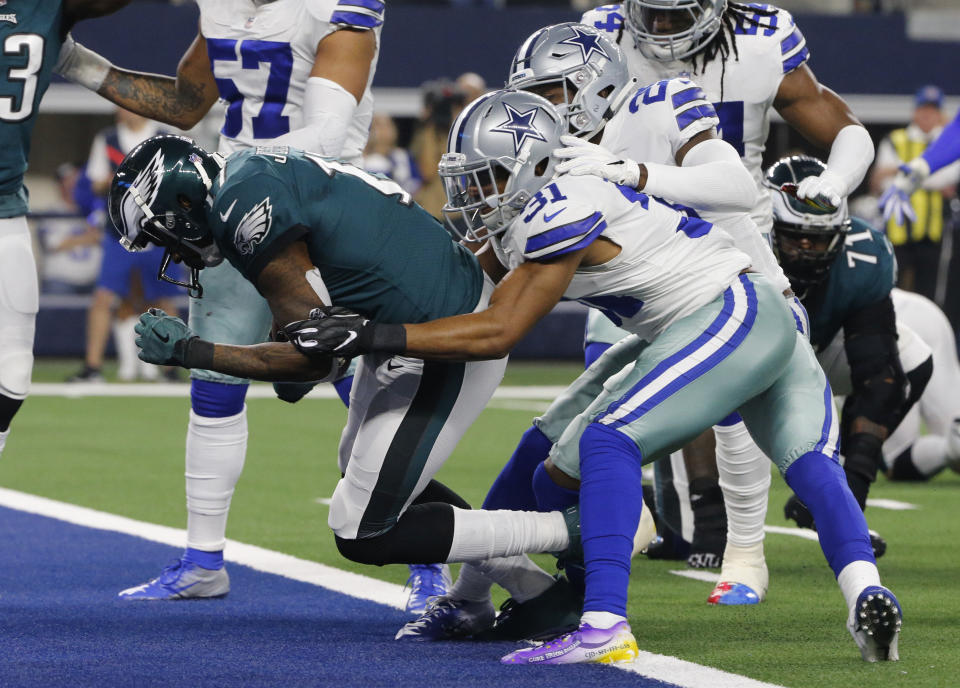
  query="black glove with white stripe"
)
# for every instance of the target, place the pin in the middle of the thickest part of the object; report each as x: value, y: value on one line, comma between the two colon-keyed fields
x: 333, y: 330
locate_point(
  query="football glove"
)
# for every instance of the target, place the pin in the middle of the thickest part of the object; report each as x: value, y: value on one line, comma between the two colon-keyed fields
x: 333, y: 330
x: 583, y: 157
x: 166, y: 340
x: 826, y: 190
x: 895, y: 201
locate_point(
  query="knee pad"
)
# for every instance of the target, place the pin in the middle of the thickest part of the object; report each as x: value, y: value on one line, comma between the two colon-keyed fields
x: 216, y: 399
x: 19, y: 302
x: 15, y: 369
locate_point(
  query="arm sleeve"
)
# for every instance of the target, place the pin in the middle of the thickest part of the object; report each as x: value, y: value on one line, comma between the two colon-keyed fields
x: 946, y: 148
x: 327, y: 112
x: 850, y: 156
x: 712, y: 178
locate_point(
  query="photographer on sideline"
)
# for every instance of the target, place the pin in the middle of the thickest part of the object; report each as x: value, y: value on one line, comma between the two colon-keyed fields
x: 442, y: 102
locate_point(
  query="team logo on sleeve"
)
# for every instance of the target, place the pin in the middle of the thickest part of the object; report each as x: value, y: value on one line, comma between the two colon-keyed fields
x: 520, y: 126
x: 254, y: 227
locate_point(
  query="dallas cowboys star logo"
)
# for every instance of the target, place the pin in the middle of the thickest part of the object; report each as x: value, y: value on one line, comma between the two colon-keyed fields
x: 588, y: 43
x: 520, y: 125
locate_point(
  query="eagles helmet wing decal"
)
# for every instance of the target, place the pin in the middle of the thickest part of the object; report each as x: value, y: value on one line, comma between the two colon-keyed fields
x: 253, y: 227
x: 140, y: 196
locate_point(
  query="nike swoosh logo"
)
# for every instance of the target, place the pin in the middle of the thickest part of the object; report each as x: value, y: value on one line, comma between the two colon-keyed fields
x: 353, y: 335
x: 163, y: 338
x: 393, y: 366
x: 224, y: 216
x: 547, y: 218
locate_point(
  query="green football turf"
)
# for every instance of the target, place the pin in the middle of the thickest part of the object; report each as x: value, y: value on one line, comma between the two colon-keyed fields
x: 125, y: 456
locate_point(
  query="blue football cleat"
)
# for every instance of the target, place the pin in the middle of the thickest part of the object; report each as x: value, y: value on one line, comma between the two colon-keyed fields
x: 446, y: 619
x: 874, y: 623
x: 179, y: 581
x: 426, y: 581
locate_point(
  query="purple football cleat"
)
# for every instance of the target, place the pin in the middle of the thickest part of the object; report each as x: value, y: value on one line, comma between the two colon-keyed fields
x: 586, y: 644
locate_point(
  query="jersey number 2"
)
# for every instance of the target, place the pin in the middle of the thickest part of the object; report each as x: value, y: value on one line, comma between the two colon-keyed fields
x: 18, y: 44
x: 269, y: 122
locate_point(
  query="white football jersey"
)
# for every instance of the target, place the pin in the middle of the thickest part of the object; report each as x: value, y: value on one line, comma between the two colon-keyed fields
x: 669, y: 264
x: 742, y: 90
x: 656, y: 122
x: 262, y: 55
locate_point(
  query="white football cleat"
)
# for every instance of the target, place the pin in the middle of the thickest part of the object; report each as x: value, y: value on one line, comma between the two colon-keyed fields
x: 874, y: 622
x: 743, y: 577
x: 180, y: 581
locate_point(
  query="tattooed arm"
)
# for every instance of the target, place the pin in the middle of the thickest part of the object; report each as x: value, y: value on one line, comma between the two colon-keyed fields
x: 180, y: 101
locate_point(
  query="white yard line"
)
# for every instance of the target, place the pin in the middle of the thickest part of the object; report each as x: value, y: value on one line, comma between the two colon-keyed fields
x: 659, y: 667
x: 77, y: 390
x: 891, y: 504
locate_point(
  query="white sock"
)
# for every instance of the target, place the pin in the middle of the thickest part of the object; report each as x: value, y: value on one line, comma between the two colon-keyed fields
x: 216, y: 448
x: 856, y: 576
x: 929, y: 454
x: 123, y: 340
x: 745, y: 481
x: 3, y: 439
x: 518, y: 575
x: 601, y: 619
x: 480, y: 534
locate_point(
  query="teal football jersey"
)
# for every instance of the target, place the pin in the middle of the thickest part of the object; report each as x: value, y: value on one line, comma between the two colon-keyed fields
x: 378, y: 253
x: 863, y: 273
x: 30, y: 33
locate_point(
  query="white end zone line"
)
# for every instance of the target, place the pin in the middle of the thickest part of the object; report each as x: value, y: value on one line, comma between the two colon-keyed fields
x: 660, y: 667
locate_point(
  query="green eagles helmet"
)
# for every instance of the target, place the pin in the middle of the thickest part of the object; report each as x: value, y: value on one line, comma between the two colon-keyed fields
x: 806, y: 236
x: 158, y: 196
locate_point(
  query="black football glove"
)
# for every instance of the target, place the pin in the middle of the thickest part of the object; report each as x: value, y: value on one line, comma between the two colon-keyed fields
x: 333, y: 330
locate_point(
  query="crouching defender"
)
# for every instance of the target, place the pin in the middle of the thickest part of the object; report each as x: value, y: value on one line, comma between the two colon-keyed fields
x: 711, y: 337
x: 308, y: 231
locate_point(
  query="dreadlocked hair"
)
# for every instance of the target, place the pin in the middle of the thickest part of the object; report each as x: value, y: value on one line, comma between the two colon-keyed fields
x: 724, y: 43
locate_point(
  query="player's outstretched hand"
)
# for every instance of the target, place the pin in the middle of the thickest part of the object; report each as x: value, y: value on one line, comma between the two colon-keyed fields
x: 824, y: 192
x: 895, y: 201
x: 162, y: 339
x: 582, y: 157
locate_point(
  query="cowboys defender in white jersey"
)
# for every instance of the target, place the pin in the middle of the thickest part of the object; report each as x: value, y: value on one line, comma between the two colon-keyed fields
x: 709, y: 336
x: 748, y: 58
x: 670, y: 126
x: 291, y: 72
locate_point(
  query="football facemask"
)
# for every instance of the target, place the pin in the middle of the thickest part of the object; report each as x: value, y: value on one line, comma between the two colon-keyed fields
x: 667, y: 30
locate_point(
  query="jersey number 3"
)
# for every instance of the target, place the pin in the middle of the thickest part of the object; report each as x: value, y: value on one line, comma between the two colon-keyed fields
x: 269, y: 122
x: 30, y: 44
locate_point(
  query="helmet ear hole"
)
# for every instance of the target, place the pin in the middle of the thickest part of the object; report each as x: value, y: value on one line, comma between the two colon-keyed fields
x: 184, y: 202
x: 541, y: 167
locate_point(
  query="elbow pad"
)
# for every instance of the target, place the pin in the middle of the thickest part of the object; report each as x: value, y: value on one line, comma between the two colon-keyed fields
x: 327, y: 112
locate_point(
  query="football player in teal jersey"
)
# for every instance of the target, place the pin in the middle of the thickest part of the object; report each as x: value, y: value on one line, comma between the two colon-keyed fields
x: 843, y: 270
x: 31, y: 33
x: 308, y: 231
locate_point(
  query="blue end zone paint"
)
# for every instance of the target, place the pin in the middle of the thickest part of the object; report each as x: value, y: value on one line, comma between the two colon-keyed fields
x: 62, y: 625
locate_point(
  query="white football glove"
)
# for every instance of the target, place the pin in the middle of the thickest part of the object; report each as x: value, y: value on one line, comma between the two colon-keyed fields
x: 583, y: 157
x: 895, y: 201
x: 828, y: 189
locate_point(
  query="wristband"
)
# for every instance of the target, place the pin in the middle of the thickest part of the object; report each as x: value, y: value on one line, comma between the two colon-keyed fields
x: 81, y: 65
x: 382, y: 338
x: 193, y: 353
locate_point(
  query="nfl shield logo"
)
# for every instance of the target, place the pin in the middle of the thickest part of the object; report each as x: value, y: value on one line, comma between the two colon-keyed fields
x: 247, y: 25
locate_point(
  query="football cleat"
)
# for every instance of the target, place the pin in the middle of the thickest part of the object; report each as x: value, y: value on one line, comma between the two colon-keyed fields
x: 446, y: 619
x: 646, y: 531
x: 878, y: 544
x: 88, y: 374
x: 180, y: 581
x: 795, y: 510
x: 743, y: 578
x: 426, y: 581
x: 551, y: 613
x: 586, y: 644
x: 874, y: 623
